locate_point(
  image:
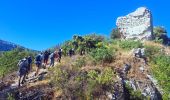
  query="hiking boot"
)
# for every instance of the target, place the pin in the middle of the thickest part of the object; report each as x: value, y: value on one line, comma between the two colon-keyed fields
x: 35, y: 74
x: 22, y: 82
x: 26, y: 77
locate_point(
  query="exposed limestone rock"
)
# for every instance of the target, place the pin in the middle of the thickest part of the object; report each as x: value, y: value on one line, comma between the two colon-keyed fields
x: 139, y: 52
x: 136, y: 25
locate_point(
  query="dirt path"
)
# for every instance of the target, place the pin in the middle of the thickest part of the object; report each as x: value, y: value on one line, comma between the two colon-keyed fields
x: 10, y: 86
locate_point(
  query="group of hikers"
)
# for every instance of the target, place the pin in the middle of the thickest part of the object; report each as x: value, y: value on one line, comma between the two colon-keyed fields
x: 41, y: 60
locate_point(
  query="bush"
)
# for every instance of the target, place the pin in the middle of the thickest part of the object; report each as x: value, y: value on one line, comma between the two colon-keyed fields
x: 102, y: 81
x: 152, y: 51
x: 82, y: 84
x: 59, y: 77
x: 80, y: 62
x: 159, y: 30
x: 10, y: 59
x: 130, y: 44
x: 115, y: 34
x: 135, y: 95
x: 102, y: 55
x: 157, y: 40
x: 66, y: 47
x: 161, y: 71
x: 82, y: 43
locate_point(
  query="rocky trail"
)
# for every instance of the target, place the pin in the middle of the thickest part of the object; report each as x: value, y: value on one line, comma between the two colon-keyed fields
x: 33, y: 89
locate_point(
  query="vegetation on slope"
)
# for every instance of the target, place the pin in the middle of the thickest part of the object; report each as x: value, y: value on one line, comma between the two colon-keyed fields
x: 9, y: 60
x: 161, y: 71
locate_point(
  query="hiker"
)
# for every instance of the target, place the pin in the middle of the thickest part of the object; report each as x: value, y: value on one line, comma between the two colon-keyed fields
x: 52, y: 58
x: 29, y: 65
x: 70, y: 52
x: 59, y: 55
x: 38, y: 62
x: 46, y: 56
x: 23, y: 66
x: 73, y: 52
x: 82, y: 52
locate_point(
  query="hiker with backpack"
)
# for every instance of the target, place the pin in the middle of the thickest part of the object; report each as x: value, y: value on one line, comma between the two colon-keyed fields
x: 70, y: 52
x: 29, y: 65
x: 46, y: 56
x: 23, y: 67
x: 52, y: 58
x: 59, y: 55
x: 38, y: 62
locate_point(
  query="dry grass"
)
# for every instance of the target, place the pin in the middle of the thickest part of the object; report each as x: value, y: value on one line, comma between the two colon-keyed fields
x: 43, y: 82
x: 151, y: 43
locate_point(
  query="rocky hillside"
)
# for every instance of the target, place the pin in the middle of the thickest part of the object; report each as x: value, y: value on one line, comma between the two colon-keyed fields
x: 93, y: 67
x: 110, y: 70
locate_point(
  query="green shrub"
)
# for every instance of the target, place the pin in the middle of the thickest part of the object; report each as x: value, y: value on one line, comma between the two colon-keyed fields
x: 102, y: 55
x: 10, y: 97
x: 10, y: 59
x: 82, y: 84
x: 159, y: 30
x: 100, y: 81
x: 115, y: 41
x: 59, y: 77
x: 115, y: 34
x: 130, y: 44
x: 161, y: 70
x: 66, y: 46
x: 157, y: 40
x: 106, y: 77
x: 82, y: 43
x: 152, y: 51
x: 135, y: 95
x: 80, y: 62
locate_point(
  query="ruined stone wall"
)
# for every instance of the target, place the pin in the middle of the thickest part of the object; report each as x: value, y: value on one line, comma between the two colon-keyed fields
x: 136, y: 25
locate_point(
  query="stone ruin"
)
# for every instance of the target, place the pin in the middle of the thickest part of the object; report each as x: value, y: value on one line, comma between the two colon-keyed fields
x: 136, y: 25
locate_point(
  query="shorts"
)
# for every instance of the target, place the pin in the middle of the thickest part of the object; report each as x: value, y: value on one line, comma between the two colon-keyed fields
x: 38, y: 63
x: 28, y: 68
x: 22, y: 71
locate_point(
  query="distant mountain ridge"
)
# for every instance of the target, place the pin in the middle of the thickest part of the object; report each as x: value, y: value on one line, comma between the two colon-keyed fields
x: 7, y: 46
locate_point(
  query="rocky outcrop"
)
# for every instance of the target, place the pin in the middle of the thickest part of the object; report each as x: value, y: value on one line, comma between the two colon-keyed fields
x: 136, y: 25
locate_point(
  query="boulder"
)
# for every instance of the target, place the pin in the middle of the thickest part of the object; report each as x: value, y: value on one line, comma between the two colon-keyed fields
x: 126, y: 68
x: 136, y: 25
x: 139, y: 52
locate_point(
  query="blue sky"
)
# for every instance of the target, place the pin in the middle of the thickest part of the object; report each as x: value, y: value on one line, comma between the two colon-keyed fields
x: 40, y: 24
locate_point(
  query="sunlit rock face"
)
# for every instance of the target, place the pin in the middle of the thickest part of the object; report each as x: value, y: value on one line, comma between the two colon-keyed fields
x: 136, y: 25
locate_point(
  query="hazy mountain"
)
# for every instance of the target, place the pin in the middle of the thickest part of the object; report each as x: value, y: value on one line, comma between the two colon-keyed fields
x: 7, y: 46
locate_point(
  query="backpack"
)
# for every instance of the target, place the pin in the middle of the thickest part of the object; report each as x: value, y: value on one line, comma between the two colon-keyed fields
x: 23, y: 63
x: 29, y: 60
x: 38, y: 58
x: 52, y: 56
x: 20, y: 63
